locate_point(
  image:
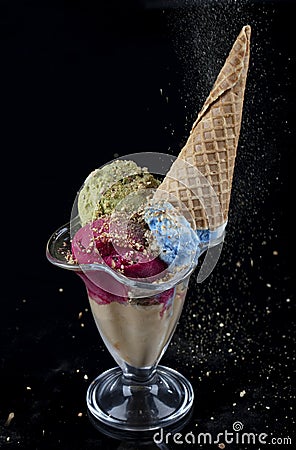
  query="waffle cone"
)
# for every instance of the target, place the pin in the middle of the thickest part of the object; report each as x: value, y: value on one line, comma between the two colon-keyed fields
x: 199, y: 181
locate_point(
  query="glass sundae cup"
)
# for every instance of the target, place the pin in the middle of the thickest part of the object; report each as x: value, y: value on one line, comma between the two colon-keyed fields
x: 136, y: 320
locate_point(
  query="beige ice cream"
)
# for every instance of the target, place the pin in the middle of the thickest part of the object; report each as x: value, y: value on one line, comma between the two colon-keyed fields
x: 135, y: 333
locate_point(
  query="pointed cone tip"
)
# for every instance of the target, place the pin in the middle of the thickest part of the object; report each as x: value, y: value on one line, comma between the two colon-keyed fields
x: 247, y: 30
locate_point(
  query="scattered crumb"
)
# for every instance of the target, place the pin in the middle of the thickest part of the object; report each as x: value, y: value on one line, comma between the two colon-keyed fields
x: 9, y: 419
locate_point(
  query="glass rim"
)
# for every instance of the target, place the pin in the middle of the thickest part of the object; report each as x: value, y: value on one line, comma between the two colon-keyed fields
x: 63, y: 232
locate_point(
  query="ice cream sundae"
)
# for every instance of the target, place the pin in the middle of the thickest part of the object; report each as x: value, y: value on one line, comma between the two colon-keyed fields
x: 135, y: 240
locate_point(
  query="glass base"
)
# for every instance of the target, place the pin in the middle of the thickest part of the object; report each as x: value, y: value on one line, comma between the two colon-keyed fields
x: 140, y: 406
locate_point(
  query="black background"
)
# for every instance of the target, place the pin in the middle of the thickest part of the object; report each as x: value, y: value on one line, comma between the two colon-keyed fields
x: 82, y: 82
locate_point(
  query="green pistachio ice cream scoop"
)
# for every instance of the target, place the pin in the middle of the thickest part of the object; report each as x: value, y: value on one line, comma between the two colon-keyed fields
x: 106, y: 187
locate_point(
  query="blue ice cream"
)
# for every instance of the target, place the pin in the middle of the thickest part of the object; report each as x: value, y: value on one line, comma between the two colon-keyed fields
x: 211, y: 237
x: 178, y: 243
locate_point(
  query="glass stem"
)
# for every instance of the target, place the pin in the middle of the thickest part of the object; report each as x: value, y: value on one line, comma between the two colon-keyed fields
x: 138, y: 375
